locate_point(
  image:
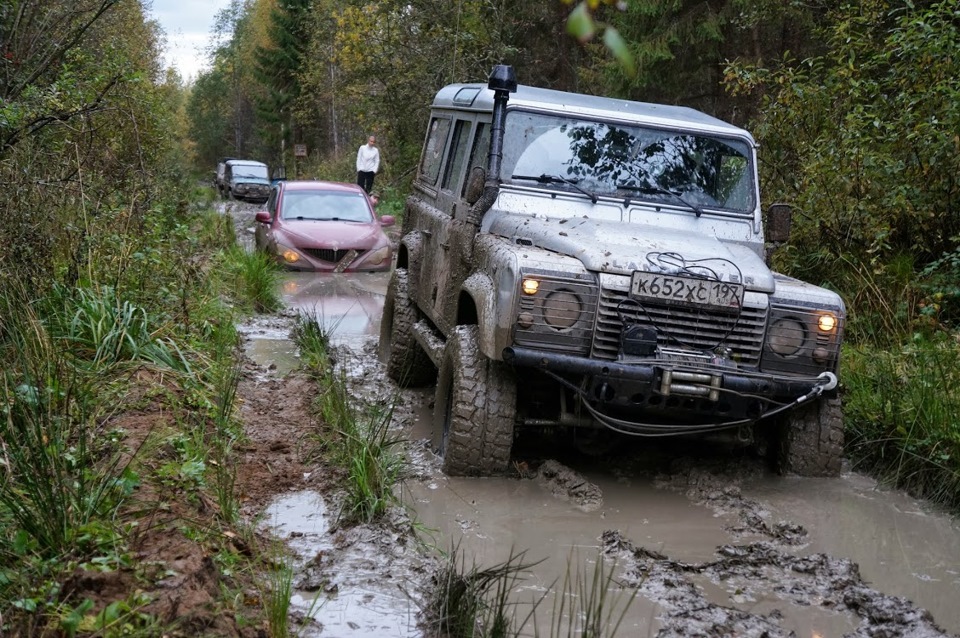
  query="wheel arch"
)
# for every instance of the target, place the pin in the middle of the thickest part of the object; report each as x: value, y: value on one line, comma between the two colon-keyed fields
x: 477, y: 306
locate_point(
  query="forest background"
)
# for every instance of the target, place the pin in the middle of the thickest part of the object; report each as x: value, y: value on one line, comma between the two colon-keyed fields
x: 855, y: 105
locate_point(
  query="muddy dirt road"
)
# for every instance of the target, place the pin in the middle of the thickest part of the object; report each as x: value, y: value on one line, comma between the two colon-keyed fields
x: 713, y: 543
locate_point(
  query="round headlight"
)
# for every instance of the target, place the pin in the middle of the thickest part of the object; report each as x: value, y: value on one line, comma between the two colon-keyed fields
x: 786, y: 337
x: 561, y: 309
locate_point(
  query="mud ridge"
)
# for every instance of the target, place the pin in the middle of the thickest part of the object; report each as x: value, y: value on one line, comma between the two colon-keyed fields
x: 748, y: 570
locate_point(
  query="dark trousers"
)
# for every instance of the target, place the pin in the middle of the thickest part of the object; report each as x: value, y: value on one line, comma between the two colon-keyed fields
x: 365, y: 180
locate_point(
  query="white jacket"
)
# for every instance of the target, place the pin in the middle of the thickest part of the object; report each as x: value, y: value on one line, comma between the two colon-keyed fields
x: 368, y: 158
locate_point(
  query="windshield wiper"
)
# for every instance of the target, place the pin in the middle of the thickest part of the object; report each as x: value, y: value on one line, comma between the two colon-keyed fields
x: 556, y: 179
x: 656, y: 190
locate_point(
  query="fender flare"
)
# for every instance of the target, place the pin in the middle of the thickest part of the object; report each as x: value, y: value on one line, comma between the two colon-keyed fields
x: 482, y: 291
x: 412, y: 245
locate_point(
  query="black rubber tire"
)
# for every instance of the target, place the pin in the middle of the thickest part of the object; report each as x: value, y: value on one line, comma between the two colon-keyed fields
x: 809, y: 439
x: 406, y: 362
x: 475, y: 408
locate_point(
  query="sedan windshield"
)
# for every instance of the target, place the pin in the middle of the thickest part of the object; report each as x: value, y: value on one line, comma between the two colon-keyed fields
x: 325, y: 206
x: 638, y: 163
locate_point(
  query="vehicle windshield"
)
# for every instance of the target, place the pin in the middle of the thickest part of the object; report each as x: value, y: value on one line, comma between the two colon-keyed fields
x: 634, y: 162
x: 257, y: 171
x: 325, y: 206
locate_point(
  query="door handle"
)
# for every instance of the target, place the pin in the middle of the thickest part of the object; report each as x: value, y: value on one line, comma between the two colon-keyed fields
x: 428, y: 233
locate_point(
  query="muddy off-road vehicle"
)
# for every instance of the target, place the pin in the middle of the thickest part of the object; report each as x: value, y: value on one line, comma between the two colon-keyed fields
x: 594, y: 265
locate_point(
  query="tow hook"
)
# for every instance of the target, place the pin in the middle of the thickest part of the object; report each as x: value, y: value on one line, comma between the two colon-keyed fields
x: 828, y: 381
x: 692, y: 384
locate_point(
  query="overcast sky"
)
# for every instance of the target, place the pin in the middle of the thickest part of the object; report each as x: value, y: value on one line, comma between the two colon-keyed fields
x: 187, y: 24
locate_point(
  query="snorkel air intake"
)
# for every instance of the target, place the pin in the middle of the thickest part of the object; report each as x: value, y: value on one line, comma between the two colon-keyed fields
x: 502, y: 82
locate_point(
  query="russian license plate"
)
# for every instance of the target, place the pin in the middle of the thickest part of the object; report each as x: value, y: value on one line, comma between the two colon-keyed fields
x: 687, y: 291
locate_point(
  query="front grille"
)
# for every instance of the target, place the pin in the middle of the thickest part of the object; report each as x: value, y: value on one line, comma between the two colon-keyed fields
x: 329, y: 254
x: 680, y: 326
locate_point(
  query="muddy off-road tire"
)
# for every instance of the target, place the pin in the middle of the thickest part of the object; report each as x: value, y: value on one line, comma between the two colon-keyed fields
x: 475, y: 408
x: 809, y: 439
x: 406, y: 362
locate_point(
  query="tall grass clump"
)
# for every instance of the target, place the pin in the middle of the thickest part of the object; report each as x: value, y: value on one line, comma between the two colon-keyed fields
x: 901, y: 409
x: 60, y: 475
x: 365, y: 447
x: 474, y: 602
x: 254, y: 279
x: 586, y: 606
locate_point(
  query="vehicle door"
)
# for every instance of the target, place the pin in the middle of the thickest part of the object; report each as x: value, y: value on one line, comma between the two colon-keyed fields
x: 432, y: 219
x: 455, y: 259
x: 263, y: 236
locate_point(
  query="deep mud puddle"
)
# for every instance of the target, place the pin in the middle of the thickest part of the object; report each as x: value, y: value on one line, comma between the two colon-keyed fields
x: 718, y: 549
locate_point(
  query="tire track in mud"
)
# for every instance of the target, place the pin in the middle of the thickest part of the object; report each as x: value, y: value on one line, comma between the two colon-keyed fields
x: 755, y: 569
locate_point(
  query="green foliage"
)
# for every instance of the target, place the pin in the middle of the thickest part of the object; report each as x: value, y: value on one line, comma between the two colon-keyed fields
x: 61, y: 475
x: 900, y: 410
x: 872, y: 177
x: 253, y: 277
x: 358, y: 437
x: 473, y: 602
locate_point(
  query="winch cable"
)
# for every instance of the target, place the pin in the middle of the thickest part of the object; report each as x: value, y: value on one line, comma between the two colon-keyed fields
x: 675, y: 263
x: 825, y: 381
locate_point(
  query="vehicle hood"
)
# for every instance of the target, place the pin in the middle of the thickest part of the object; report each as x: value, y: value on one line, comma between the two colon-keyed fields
x: 618, y: 247
x: 332, y: 234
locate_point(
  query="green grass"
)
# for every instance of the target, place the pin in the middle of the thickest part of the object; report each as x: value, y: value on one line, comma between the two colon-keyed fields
x: 901, y: 411
x: 276, y: 597
x: 473, y: 602
x: 254, y: 279
x: 358, y: 437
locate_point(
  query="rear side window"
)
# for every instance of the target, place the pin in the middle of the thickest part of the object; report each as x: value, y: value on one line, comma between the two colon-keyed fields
x: 461, y: 140
x: 433, y: 150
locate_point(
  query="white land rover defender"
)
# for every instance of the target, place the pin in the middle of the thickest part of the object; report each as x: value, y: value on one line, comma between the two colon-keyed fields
x: 579, y: 262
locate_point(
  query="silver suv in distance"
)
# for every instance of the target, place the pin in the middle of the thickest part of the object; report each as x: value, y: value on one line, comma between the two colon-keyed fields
x: 598, y: 266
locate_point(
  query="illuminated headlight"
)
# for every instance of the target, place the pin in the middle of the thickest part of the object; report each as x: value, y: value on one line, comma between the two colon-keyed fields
x: 786, y: 337
x: 379, y: 256
x: 826, y: 323
x: 561, y: 309
x: 289, y: 255
x: 530, y: 286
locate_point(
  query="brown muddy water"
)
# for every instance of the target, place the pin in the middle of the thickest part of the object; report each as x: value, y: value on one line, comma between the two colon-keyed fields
x: 710, y: 544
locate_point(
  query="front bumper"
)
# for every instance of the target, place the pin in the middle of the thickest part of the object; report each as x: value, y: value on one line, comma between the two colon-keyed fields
x: 671, y: 387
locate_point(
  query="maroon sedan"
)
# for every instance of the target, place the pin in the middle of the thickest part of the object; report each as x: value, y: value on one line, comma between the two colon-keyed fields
x: 324, y: 226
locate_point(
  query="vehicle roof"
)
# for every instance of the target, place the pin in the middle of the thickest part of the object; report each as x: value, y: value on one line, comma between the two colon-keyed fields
x: 306, y: 185
x: 589, y: 105
x: 234, y: 162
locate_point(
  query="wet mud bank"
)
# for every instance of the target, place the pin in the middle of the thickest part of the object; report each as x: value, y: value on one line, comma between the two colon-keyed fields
x: 709, y: 542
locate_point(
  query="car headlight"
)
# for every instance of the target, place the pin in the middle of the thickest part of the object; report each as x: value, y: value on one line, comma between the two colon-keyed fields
x: 561, y: 309
x: 786, y: 336
x: 379, y: 256
x: 555, y: 310
x: 287, y: 254
x: 240, y: 188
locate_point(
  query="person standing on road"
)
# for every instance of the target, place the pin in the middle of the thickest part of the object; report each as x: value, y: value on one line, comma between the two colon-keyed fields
x: 368, y: 163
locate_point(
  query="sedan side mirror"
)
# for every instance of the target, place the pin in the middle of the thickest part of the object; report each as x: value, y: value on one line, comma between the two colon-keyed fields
x: 388, y: 220
x: 779, y: 220
x: 263, y: 217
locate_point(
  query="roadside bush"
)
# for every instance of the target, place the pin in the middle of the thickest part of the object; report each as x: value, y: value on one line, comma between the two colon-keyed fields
x: 901, y: 411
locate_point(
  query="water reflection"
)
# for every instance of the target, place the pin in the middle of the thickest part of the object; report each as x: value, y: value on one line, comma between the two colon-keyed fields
x: 347, y: 305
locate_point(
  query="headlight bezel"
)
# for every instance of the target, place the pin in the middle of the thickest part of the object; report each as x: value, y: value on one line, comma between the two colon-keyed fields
x: 538, y: 323
x: 816, y: 350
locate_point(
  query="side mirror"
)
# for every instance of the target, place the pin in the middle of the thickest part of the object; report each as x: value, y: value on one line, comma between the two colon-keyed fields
x: 388, y: 220
x: 263, y: 217
x: 779, y: 220
x: 475, y: 182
